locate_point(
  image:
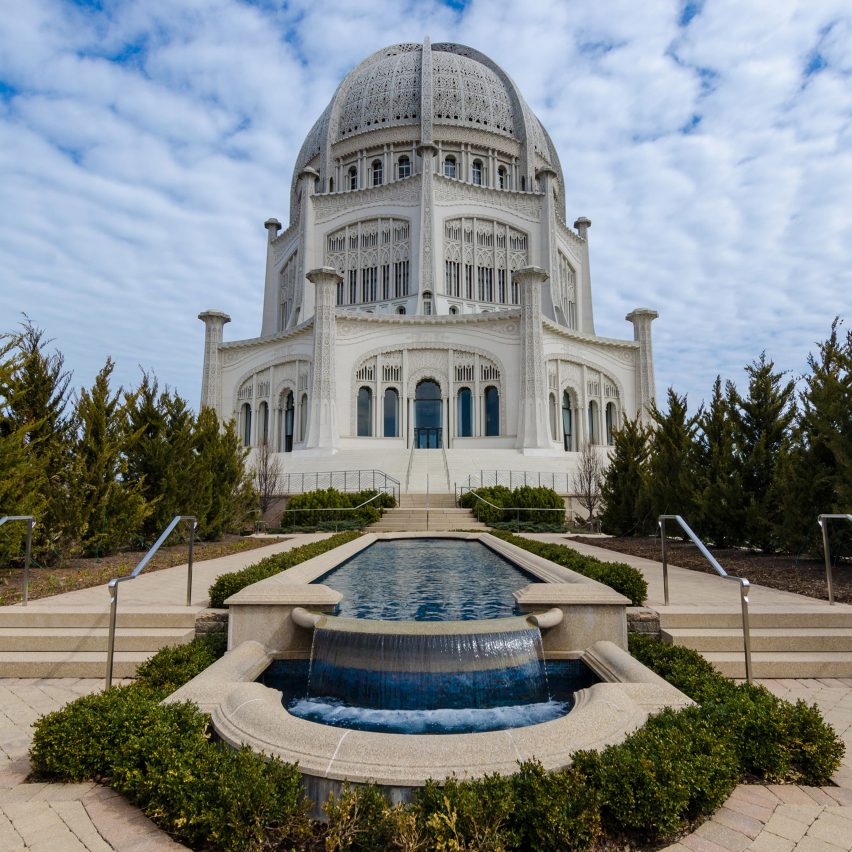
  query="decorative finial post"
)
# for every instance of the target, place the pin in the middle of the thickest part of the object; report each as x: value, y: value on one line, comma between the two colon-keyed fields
x: 214, y: 322
x: 646, y: 391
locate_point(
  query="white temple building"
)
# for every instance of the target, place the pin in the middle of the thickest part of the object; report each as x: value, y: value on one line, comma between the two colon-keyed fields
x: 428, y: 292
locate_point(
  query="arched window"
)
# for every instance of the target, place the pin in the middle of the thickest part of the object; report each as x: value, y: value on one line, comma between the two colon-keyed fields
x: 289, y: 414
x: 331, y: 184
x: 492, y: 411
x: 554, y: 421
x: 377, y: 172
x: 610, y: 423
x: 391, y: 413
x: 245, y: 417
x: 404, y: 167
x: 303, y: 417
x: 263, y: 413
x: 365, y: 412
x: 400, y: 309
x: 465, y: 413
x: 523, y: 184
x: 450, y: 167
x: 501, y: 177
x: 594, y: 438
x: 476, y: 172
x: 353, y: 178
x: 567, y: 423
x: 453, y: 310
x: 427, y: 302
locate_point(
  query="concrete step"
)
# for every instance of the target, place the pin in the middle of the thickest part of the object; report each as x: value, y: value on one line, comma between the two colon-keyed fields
x: 839, y: 615
x: 150, y: 639
x: 786, y: 665
x: 36, y: 615
x: 418, y: 501
x: 763, y: 639
x: 69, y: 663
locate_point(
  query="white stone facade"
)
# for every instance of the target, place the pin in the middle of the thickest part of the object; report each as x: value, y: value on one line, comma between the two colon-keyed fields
x: 427, y: 255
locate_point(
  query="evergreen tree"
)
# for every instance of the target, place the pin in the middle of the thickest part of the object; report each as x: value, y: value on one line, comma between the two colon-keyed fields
x: 21, y: 476
x: 815, y: 475
x: 762, y: 422
x: 114, y: 508
x: 625, y: 510
x: 38, y: 404
x: 672, y: 486
x: 220, y: 466
x: 720, y: 500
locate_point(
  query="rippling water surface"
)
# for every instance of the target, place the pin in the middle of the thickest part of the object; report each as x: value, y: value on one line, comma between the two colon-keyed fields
x: 427, y: 579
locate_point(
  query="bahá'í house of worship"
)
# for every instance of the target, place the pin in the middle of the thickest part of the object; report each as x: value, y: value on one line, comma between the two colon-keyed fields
x: 428, y: 292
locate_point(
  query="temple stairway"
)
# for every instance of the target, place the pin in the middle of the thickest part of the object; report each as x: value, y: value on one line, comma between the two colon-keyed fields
x: 412, y: 515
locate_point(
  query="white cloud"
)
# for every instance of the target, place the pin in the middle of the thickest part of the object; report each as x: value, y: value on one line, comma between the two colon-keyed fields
x: 142, y: 146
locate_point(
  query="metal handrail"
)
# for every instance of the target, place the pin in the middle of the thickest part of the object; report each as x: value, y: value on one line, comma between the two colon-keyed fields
x: 823, y: 522
x: 31, y: 522
x: 113, y: 584
x: 337, y: 508
x: 290, y: 483
x: 516, y: 509
x: 560, y: 482
x: 744, y: 584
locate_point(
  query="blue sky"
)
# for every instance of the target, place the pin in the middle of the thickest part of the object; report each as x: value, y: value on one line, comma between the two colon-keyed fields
x: 143, y: 144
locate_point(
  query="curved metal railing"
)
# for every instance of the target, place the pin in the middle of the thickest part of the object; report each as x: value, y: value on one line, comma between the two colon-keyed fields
x: 31, y: 522
x: 744, y: 584
x: 336, y: 509
x: 823, y: 522
x: 516, y: 509
x: 113, y: 584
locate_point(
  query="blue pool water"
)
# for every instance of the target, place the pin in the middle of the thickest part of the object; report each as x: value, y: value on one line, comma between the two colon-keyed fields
x: 423, y: 713
x: 427, y: 579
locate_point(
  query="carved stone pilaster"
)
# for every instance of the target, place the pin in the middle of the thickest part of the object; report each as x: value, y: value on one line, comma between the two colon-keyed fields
x: 532, y: 417
x: 585, y: 317
x: 427, y: 254
x: 271, y: 295
x: 304, y: 306
x: 646, y: 389
x: 211, y: 385
x: 547, y: 247
x: 322, y: 422
x: 426, y: 102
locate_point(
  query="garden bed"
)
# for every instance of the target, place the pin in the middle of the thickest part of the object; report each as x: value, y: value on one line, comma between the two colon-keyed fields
x: 801, y: 575
x: 84, y: 573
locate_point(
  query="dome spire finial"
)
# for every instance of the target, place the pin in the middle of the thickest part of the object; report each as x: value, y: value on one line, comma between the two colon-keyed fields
x: 426, y: 93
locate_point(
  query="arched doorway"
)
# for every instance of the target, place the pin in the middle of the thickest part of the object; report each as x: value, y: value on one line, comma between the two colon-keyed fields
x: 567, y: 424
x: 428, y: 415
x: 289, y: 412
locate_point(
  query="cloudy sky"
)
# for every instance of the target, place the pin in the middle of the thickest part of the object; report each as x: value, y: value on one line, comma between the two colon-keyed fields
x: 143, y: 144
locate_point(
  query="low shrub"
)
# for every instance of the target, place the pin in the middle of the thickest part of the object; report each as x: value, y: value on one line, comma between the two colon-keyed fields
x: 175, y: 665
x: 617, y: 575
x: 525, y: 497
x: 229, y: 584
x: 775, y: 740
x: 303, y: 510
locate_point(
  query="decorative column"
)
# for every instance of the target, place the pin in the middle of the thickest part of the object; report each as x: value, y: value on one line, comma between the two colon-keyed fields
x: 304, y: 297
x: 532, y: 417
x: 585, y: 318
x: 646, y: 390
x: 322, y: 424
x: 271, y: 290
x: 426, y: 151
x: 547, y: 257
x: 211, y: 385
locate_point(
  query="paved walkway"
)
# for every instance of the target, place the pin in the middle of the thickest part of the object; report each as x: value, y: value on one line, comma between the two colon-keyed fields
x: 59, y: 817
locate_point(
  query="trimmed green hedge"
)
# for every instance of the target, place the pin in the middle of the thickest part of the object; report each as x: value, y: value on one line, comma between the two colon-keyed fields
x: 302, y: 510
x: 525, y: 497
x: 676, y: 769
x: 229, y: 584
x: 620, y: 576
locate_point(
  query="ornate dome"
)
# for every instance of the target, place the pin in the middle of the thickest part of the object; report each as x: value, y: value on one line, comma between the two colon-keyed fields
x: 455, y: 86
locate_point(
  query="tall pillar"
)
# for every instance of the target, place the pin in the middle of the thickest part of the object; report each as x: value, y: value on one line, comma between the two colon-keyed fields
x: 211, y: 385
x: 585, y: 317
x: 532, y: 417
x: 547, y: 249
x: 304, y: 301
x: 646, y: 390
x: 322, y: 424
x: 271, y: 290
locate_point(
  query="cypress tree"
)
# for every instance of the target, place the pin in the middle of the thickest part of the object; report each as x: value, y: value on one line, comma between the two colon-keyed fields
x: 762, y: 422
x: 720, y: 502
x: 672, y: 485
x: 114, y: 508
x: 625, y: 510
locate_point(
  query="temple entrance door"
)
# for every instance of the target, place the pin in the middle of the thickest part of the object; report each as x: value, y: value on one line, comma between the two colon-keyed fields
x: 428, y: 416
